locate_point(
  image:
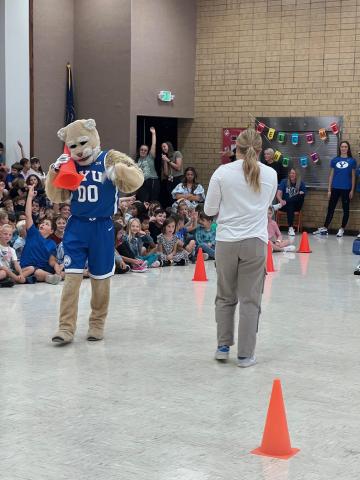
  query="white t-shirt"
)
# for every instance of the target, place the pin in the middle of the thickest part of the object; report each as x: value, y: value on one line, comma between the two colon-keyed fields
x: 242, y: 212
x: 7, y: 256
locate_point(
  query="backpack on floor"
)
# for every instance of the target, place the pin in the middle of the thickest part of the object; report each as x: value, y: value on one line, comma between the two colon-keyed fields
x: 356, y: 246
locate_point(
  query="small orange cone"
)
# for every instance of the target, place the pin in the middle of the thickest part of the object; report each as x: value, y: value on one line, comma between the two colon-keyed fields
x: 276, y: 440
x: 269, y: 260
x: 200, y: 272
x: 304, y: 244
x: 68, y: 178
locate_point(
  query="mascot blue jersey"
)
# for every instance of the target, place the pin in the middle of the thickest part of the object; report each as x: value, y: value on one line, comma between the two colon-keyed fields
x: 96, y: 197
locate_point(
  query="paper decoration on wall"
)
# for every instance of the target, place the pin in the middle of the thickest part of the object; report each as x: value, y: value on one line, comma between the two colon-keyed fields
x: 322, y: 134
x: 229, y: 136
x: 285, y: 161
x: 271, y: 133
x: 281, y: 137
x: 260, y: 127
x: 277, y: 155
x: 304, y: 162
x: 314, y: 157
x: 310, y: 137
x: 334, y: 127
x: 295, y: 138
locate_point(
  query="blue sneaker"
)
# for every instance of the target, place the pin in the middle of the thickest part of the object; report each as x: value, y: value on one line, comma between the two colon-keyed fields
x: 222, y: 352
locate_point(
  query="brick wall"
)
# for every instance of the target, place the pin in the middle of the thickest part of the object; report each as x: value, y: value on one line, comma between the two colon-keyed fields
x: 273, y: 58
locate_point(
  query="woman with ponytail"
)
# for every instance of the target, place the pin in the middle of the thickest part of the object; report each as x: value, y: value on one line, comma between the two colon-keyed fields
x: 240, y: 194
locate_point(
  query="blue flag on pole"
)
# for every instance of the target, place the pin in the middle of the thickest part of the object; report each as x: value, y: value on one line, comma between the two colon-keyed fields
x: 70, y: 109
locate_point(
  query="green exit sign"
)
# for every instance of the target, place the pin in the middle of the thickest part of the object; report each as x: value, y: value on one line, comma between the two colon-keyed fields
x: 166, y: 96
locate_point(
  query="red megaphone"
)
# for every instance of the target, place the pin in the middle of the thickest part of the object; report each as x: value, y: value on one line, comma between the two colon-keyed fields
x: 68, y: 178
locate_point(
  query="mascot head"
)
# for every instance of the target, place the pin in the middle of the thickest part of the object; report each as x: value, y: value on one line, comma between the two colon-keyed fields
x: 82, y: 139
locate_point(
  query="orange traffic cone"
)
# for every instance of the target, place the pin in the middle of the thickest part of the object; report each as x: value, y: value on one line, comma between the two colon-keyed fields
x: 68, y: 178
x: 304, y: 244
x: 276, y: 440
x: 200, y: 272
x: 269, y: 260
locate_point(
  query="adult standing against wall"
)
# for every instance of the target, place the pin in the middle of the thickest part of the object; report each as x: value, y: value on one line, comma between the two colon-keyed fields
x: 276, y: 165
x: 341, y: 185
x: 150, y: 190
x: 172, y: 170
x: 240, y: 194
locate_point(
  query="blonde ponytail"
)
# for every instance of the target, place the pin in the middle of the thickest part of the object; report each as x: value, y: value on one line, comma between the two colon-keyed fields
x: 249, y: 144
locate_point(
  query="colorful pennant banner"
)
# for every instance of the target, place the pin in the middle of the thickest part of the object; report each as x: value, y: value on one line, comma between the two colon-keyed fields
x: 281, y: 138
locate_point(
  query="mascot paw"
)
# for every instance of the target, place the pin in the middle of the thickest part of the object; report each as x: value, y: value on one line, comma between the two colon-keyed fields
x: 123, y: 172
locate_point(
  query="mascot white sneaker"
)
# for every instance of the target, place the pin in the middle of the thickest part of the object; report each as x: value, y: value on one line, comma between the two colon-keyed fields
x: 89, y: 234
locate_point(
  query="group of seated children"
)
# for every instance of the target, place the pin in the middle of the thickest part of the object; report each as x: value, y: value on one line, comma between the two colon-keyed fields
x: 146, y: 236
x: 149, y: 237
x: 33, y: 256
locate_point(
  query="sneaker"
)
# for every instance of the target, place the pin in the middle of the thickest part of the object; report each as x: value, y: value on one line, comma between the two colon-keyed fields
x: 181, y: 263
x: 139, y: 268
x: 155, y: 264
x: 245, y: 362
x: 276, y: 207
x: 205, y: 256
x: 53, y: 279
x: 291, y: 232
x: 357, y: 270
x: 30, y: 279
x: 289, y: 248
x: 222, y: 352
x: 166, y: 263
x: 340, y: 233
x: 321, y: 231
x: 6, y: 283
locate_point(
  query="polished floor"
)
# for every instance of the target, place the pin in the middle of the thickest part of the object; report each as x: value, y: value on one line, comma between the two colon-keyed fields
x: 149, y: 402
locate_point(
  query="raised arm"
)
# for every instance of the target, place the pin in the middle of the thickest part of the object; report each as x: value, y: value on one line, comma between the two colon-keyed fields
x: 28, y: 207
x: 153, y: 142
x: 22, y: 153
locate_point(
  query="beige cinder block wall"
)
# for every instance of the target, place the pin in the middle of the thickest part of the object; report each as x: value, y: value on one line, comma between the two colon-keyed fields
x: 274, y: 58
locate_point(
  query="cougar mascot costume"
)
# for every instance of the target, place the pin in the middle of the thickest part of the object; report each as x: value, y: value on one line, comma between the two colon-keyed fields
x: 89, y: 234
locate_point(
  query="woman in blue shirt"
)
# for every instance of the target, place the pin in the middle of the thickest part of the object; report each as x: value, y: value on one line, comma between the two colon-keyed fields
x: 341, y: 185
x: 291, y: 193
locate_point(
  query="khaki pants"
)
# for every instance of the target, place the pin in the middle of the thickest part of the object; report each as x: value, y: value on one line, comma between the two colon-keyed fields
x: 240, y: 268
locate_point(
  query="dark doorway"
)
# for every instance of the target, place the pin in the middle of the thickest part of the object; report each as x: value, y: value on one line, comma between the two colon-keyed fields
x: 166, y: 131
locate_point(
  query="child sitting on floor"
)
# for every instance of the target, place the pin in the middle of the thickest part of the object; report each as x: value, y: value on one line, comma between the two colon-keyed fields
x: 275, y: 238
x: 39, y: 254
x: 168, y: 245
x: 10, y: 270
x: 135, y: 242
x: 205, y: 236
x: 124, y: 254
x: 185, y: 239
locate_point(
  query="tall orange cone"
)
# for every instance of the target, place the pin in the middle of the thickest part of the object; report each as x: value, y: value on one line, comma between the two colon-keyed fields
x: 269, y: 260
x: 200, y: 272
x: 276, y: 440
x: 68, y: 177
x: 304, y: 244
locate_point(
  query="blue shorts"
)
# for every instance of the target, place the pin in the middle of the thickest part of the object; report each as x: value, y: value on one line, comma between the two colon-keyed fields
x: 90, y: 241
